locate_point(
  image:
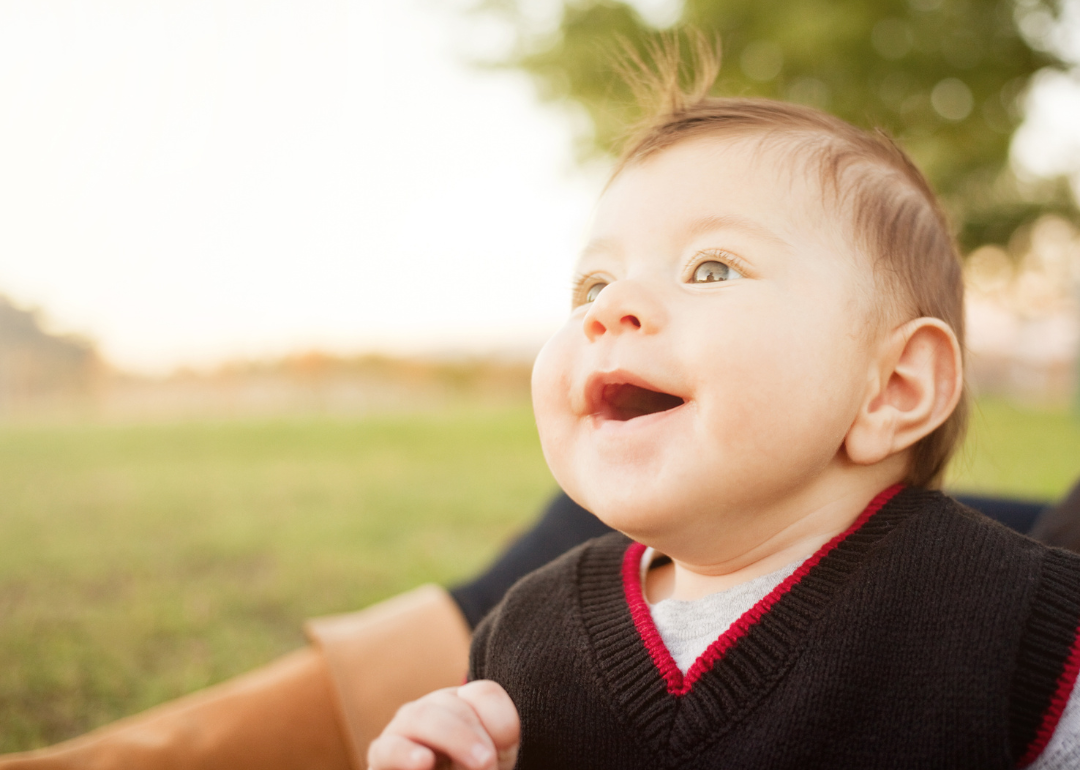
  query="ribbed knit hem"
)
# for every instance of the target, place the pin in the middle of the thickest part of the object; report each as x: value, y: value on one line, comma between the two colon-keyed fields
x: 1049, y: 659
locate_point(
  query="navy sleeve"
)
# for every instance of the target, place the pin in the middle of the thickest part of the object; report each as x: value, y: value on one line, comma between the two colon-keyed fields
x: 563, y: 525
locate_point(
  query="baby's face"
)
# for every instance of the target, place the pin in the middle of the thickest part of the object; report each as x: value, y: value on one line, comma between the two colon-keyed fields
x: 719, y: 368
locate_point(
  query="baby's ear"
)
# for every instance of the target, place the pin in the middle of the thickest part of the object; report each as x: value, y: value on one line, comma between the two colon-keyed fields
x: 916, y: 384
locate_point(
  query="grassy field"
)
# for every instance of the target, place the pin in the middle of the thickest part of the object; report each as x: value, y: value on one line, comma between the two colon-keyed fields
x: 138, y: 563
x: 1019, y: 452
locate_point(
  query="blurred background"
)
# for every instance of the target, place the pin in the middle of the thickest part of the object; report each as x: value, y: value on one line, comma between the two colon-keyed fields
x: 272, y: 275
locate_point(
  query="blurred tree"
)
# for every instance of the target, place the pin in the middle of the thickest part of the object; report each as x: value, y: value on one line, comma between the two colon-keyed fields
x: 36, y: 365
x: 944, y: 77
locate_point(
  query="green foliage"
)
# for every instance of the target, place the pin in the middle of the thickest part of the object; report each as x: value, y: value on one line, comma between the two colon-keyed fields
x: 941, y: 76
x: 35, y: 364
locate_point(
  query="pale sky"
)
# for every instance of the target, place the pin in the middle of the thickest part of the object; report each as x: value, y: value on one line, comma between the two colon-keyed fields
x: 188, y: 181
x: 196, y: 180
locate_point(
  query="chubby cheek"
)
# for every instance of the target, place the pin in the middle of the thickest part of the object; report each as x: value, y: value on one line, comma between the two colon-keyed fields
x: 782, y: 398
x: 564, y: 434
x: 552, y: 377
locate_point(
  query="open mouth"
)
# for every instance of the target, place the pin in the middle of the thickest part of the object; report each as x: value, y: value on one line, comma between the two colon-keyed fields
x: 622, y: 401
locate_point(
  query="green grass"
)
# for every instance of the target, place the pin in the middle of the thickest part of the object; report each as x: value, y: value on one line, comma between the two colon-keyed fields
x: 1018, y: 452
x: 138, y: 563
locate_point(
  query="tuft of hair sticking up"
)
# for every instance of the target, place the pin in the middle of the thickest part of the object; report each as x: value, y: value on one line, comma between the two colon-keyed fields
x: 655, y: 78
x: 892, y: 215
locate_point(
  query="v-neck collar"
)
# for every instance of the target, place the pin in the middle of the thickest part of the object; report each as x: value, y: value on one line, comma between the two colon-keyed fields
x: 676, y: 714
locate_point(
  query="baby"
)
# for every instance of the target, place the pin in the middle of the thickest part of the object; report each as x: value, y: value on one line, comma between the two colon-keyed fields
x: 760, y: 381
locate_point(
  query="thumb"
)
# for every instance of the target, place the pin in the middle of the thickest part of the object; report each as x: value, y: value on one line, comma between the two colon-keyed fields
x: 498, y: 716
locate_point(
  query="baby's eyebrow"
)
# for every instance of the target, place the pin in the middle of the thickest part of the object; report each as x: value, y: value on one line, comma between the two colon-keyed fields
x: 695, y: 229
x: 599, y: 246
x: 709, y: 224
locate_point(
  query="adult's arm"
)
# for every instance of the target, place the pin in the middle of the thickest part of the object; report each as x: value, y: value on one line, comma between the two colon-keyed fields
x: 279, y: 716
x: 1059, y: 525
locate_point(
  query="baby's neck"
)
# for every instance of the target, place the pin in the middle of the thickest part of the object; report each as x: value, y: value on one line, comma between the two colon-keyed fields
x: 674, y: 580
x: 794, y: 540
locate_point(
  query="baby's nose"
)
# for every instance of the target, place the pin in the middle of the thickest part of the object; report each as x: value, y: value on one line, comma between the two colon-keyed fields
x: 623, y: 306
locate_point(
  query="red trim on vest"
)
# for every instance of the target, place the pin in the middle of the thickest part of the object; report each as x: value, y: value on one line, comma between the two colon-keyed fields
x: 1057, y: 705
x: 677, y: 684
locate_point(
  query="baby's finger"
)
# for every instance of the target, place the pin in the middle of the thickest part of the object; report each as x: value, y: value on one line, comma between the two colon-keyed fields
x: 393, y: 752
x: 497, y: 714
x: 445, y: 723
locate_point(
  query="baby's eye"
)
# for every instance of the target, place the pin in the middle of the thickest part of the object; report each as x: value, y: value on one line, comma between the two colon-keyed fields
x: 712, y: 271
x: 594, y: 291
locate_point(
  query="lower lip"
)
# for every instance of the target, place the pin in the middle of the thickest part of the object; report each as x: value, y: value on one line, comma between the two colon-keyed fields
x: 637, y: 423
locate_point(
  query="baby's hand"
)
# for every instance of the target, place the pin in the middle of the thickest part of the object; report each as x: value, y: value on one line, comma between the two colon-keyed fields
x: 474, y: 726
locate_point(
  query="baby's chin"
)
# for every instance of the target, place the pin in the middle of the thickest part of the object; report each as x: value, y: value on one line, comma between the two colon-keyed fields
x: 671, y: 518
x: 644, y: 521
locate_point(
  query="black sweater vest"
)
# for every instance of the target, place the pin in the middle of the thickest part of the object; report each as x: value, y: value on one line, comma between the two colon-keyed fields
x: 925, y: 636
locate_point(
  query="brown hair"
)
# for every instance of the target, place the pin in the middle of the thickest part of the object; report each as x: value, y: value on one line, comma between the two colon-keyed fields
x: 893, y: 214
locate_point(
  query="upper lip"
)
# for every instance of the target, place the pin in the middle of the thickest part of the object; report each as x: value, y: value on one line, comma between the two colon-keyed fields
x: 599, y: 383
